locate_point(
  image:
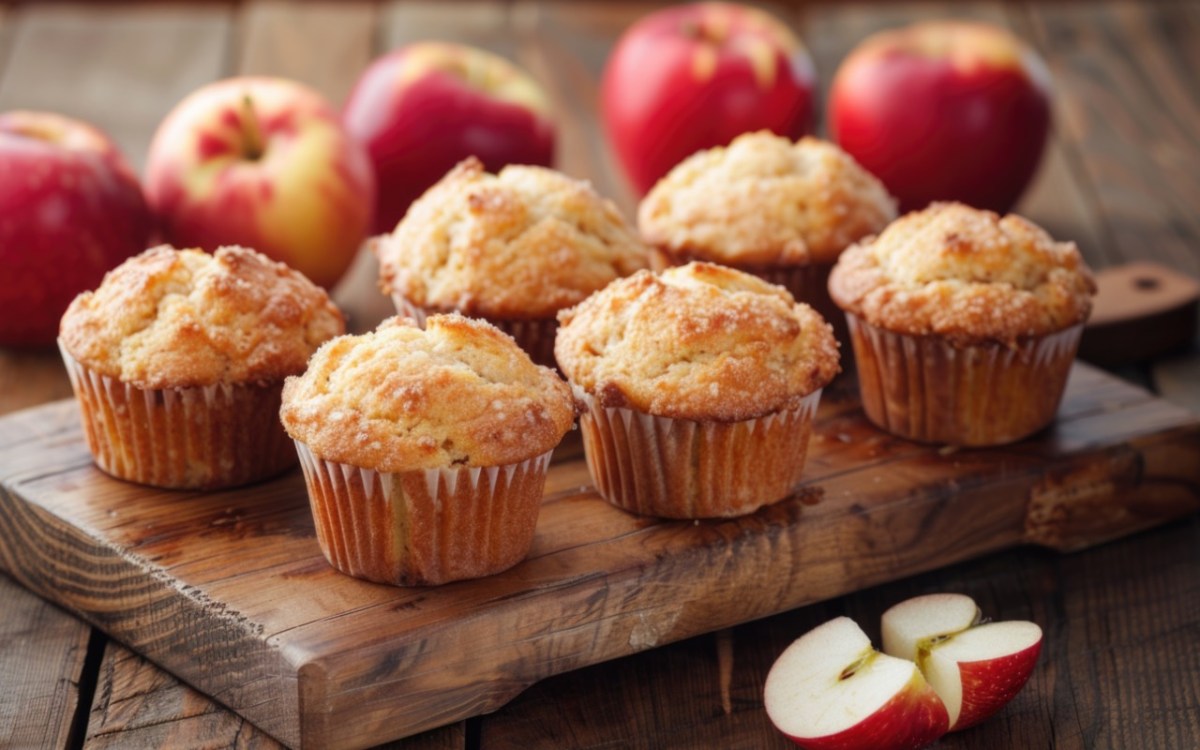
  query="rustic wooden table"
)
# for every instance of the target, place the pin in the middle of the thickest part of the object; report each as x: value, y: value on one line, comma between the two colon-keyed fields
x: 1121, y: 665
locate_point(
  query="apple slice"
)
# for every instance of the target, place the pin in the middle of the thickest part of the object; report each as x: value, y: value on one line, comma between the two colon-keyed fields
x: 911, y: 626
x: 976, y: 668
x: 832, y: 689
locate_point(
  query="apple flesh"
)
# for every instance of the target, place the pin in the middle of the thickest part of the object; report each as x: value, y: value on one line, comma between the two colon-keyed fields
x: 70, y: 209
x: 944, y: 110
x: 976, y: 668
x: 264, y: 163
x: 691, y: 77
x: 832, y: 689
x: 424, y: 108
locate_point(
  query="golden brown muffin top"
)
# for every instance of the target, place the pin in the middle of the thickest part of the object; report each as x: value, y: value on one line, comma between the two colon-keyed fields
x: 966, y: 274
x: 765, y: 201
x: 520, y: 244
x: 699, y: 341
x: 172, y: 318
x: 459, y: 393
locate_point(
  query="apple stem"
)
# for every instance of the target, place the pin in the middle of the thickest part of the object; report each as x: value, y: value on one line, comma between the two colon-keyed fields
x: 251, y: 130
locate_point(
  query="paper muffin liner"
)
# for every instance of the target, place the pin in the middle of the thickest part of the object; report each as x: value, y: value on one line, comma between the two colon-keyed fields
x: 927, y: 389
x: 808, y: 283
x: 535, y: 335
x: 424, y: 527
x: 680, y: 468
x: 206, y: 437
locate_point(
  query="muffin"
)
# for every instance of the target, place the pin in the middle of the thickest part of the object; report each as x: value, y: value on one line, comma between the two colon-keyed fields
x: 513, y: 248
x: 425, y: 451
x: 964, y: 324
x: 699, y: 388
x: 178, y: 360
x: 783, y: 211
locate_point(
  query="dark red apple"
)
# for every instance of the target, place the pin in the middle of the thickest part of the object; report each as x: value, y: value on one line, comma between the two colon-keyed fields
x: 421, y: 109
x: 70, y: 210
x: 691, y: 77
x: 944, y: 110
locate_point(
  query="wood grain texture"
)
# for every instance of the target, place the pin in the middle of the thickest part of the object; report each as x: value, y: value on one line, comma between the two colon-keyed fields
x: 1109, y: 641
x: 229, y: 590
x: 42, y: 655
x: 122, y: 69
x: 1176, y: 377
x: 1110, y: 99
x: 325, y: 45
x: 29, y: 377
x: 565, y: 46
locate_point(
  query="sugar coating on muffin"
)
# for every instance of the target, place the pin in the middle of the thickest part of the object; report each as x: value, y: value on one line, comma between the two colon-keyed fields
x: 171, y: 318
x: 699, y: 341
x: 523, y: 243
x: 399, y: 398
x: 764, y: 200
x: 963, y: 273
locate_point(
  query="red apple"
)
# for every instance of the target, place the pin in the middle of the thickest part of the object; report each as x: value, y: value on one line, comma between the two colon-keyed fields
x: 831, y: 689
x: 691, y: 77
x: 976, y: 668
x: 944, y: 110
x: 421, y: 109
x: 264, y: 163
x: 70, y: 209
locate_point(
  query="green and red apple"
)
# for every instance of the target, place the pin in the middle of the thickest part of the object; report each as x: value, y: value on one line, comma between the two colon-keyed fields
x: 691, y: 77
x: 421, y: 109
x: 70, y: 210
x: 264, y: 163
x: 944, y: 110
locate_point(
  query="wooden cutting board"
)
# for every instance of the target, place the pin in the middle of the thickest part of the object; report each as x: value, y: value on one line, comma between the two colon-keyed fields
x: 229, y: 590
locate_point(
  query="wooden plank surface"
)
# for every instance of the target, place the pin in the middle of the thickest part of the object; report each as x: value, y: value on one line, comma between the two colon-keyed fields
x: 229, y: 591
x: 121, y: 69
x: 43, y: 652
x: 1137, y: 596
x: 565, y: 50
x: 1109, y: 100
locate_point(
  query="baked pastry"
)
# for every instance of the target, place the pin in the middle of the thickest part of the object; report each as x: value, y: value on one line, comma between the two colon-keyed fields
x: 178, y: 360
x: 513, y: 248
x: 425, y: 451
x: 964, y: 324
x: 699, y: 386
x: 783, y: 211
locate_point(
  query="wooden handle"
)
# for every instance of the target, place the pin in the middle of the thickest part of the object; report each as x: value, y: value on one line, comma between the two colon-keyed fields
x: 1142, y: 310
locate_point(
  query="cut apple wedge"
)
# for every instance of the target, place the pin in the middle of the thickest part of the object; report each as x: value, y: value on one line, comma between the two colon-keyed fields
x: 914, y: 625
x: 832, y: 689
x: 975, y: 668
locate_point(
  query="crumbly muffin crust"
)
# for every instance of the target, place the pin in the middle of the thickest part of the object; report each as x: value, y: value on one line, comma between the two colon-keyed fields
x: 965, y: 274
x: 700, y: 342
x: 765, y: 201
x: 459, y: 393
x: 520, y: 244
x: 171, y: 318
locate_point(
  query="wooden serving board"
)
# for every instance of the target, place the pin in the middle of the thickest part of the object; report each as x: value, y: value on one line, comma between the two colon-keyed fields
x: 229, y: 590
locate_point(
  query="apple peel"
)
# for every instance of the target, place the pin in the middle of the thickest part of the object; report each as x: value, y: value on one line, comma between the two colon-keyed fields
x: 832, y: 689
x: 975, y: 667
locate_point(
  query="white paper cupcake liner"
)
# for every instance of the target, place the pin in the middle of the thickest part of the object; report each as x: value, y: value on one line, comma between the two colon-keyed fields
x: 181, y: 438
x: 679, y: 468
x: 927, y: 389
x: 424, y: 527
x: 535, y: 336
